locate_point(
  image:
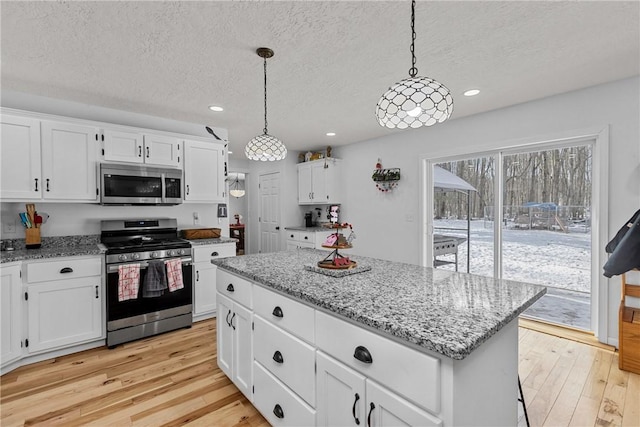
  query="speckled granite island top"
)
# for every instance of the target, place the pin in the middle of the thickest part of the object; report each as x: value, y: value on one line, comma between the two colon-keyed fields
x: 442, y: 311
x: 216, y: 241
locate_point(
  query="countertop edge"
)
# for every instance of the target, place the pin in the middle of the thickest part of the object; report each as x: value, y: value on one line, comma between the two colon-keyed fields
x: 450, y: 352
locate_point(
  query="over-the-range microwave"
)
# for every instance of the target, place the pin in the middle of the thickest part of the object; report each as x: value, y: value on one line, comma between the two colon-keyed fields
x: 139, y: 185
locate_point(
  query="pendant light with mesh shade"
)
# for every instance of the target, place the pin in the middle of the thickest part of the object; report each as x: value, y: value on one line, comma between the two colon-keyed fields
x: 265, y: 147
x: 416, y: 101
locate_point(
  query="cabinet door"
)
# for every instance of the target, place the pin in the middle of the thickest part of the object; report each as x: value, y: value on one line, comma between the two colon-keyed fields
x: 20, y: 156
x: 203, y: 172
x: 64, y: 312
x: 161, y: 150
x: 10, y: 303
x: 305, y: 189
x: 204, y: 296
x: 123, y: 146
x: 319, y: 192
x: 224, y: 336
x: 333, y: 182
x: 385, y: 408
x: 341, y: 394
x: 69, y: 161
x: 242, y: 349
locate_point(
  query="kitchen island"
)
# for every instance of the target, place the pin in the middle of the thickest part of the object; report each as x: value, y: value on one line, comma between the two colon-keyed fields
x: 395, y: 344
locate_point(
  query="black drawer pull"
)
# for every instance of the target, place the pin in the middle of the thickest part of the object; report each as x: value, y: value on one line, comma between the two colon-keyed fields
x: 354, y: 409
x: 227, y: 319
x: 215, y: 254
x: 277, y: 357
x: 66, y: 270
x: 371, y: 408
x: 277, y: 311
x: 230, y: 288
x: 363, y: 355
x: 277, y: 411
x: 232, y: 325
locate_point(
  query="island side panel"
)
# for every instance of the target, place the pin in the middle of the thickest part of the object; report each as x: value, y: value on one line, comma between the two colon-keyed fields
x: 482, y: 389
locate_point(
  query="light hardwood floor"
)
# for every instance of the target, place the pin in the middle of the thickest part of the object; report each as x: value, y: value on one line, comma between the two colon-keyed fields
x: 173, y: 379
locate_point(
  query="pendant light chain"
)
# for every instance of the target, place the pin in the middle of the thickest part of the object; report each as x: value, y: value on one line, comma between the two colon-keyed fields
x: 265, y: 96
x: 413, y: 71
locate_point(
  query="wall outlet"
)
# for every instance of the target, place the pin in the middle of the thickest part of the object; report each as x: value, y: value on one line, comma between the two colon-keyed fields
x: 9, y: 226
x: 196, y: 218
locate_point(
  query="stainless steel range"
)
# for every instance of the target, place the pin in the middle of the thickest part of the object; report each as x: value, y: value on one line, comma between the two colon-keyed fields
x: 137, y: 248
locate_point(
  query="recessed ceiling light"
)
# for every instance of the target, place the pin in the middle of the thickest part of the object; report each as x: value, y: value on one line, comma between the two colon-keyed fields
x: 472, y: 92
x: 331, y: 134
x: 215, y: 108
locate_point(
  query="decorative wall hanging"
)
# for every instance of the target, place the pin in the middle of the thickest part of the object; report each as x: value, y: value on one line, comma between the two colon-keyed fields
x: 385, y: 179
x: 416, y: 101
x: 265, y: 147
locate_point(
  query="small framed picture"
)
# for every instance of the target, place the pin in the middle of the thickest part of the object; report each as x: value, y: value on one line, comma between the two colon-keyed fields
x: 222, y: 210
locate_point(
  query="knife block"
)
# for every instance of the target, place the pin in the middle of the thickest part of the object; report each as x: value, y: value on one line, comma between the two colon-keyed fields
x: 32, y: 238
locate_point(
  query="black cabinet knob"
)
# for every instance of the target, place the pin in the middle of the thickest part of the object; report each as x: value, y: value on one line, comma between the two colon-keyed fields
x: 230, y: 288
x: 277, y: 311
x: 362, y: 354
x: 277, y: 357
x: 277, y: 411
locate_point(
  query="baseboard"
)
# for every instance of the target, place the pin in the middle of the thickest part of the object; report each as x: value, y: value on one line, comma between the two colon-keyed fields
x: 568, y: 333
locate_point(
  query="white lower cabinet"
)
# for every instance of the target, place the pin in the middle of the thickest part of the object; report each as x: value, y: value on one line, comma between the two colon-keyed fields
x: 64, y: 303
x: 11, y: 315
x: 204, y: 278
x: 235, y: 355
x: 346, y: 398
x: 277, y: 403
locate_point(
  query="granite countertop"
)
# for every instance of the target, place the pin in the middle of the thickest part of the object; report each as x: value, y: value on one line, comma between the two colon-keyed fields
x: 54, y: 247
x: 442, y: 311
x: 216, y: 241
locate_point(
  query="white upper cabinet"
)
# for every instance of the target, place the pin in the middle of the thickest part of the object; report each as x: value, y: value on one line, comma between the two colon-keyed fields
x: 134, y: 147
x: 122, y: 146
x: 69, y: 160
x: 48, y: 160
x: 319, y: 182
x: 20, y: 152
x: 204, y: 172
x: 162, y: 150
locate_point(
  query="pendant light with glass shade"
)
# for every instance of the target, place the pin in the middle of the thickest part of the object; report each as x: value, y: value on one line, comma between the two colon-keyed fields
x: 416, y: 101
x: 235, y: 189
x: 265, y: 147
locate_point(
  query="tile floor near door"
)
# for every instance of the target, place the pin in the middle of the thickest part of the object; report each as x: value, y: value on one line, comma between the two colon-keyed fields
x: 173, y: 380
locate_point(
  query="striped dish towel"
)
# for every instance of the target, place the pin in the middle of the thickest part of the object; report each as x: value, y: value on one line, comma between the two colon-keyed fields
x: 128, y: 281
x: 174, y: 274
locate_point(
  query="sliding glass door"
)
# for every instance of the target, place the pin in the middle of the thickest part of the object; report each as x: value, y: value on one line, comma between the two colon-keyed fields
x: 522, y: 214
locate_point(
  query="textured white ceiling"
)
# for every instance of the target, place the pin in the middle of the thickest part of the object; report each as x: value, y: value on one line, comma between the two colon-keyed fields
x: 333, y: 59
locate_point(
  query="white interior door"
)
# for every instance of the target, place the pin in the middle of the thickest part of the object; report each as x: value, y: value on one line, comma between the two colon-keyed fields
x: 269, y: 212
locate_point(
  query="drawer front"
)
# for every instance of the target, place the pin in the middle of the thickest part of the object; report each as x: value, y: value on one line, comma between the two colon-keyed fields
x: 69, y: 268
x: 307, y: 237
x: 289, y: 359
x: 285, y: 313
x: 417, y: 377
x: 271, y: 397
x: 209, y: 252
x: 234, y: 287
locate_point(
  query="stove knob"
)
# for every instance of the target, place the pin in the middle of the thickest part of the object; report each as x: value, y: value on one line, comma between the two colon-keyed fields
x: 171, y: 253
x: 181, y: 251
x: 154, y: 254
x: 136, y: 256
x: 122, y: 257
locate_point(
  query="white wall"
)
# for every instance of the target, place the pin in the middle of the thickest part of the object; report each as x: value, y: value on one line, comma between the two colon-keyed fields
x: 387, y: 224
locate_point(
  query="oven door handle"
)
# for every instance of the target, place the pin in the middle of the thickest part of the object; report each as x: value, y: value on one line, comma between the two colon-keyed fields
x: 113, y: 268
